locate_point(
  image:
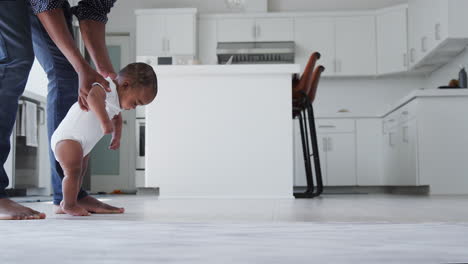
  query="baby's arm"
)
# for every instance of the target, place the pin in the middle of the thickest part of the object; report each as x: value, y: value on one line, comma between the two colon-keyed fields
x: 117, y: 123
x: 97, y: 103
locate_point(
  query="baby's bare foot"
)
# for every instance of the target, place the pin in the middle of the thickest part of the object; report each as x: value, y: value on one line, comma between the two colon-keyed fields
x: 95, y: 206
x: 74, y: 209
x: 10, y: 210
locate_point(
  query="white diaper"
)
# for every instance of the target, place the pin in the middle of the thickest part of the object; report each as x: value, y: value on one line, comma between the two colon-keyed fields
x: 85, y: 127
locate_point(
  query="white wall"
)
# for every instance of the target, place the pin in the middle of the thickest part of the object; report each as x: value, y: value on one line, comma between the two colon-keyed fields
x: 329, y: 5
x: 450, y: 71
x: 362, y: 96
x: 37, y: 81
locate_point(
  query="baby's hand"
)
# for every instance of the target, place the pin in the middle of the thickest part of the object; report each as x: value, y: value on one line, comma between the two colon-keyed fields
x: 107, y: 127
x: 115, y: 143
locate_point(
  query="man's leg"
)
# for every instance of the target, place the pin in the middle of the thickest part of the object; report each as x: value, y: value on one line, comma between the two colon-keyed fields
x: 62, y: 89
x: 62, y: 94
x: 16, y: 58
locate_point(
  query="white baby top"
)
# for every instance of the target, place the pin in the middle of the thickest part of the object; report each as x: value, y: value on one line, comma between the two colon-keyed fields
x: 85, y: 127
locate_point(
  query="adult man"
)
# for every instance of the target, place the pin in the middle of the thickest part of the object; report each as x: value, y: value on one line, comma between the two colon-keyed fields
x: 42, y: 29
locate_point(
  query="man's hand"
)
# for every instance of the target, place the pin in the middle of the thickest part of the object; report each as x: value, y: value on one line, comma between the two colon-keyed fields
x: 87, y: 77
x: 107, y: 73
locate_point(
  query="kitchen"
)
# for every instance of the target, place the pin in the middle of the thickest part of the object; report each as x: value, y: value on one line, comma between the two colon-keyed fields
x: 222, y: 137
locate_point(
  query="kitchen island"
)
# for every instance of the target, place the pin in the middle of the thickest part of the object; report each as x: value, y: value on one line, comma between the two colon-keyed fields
x: 221, y: 131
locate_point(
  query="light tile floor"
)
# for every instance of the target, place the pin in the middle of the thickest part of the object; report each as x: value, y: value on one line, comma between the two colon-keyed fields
x: 330, y: 229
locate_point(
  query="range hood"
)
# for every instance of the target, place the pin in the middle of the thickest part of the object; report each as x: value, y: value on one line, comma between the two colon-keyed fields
x: 255, y: 52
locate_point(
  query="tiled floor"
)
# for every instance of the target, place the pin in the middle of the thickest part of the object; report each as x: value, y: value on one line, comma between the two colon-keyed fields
x: 330, y: 229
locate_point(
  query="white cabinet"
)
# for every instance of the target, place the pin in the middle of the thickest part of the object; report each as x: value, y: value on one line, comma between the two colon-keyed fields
x: 350, y: 152
x: 437, y: 32
x: 355, y: 46
x: 274, y: 29
x: 180, y: 34
x: 313, y: 34
x: 207, y: 41
x: 392, y: 41
x: 153, y: 43
x: 408, y: 153
x: 236, y: 29
x: 401, y: 147
x: 255, y: 29
x: 347, y: 44
x: 341, y: 159
x: 369, y: 152
x: 166, y: 32
x: 337, y: 151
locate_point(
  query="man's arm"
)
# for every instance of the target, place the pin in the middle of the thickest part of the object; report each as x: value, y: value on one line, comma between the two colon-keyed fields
x: 97, y: 103
x: 92, y: 15
x: 93, y: 33
x: 55, y: 24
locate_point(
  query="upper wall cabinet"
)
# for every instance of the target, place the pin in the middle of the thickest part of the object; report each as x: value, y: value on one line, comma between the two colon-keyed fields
x: 236, y: 29
x: 166, y: 32
x: 392, y: 41
x: 315, y: 34
x: 347, y: 44
x: 255, y: 29
x: 274, y: 29
x: 355, y: 46
x: 437, y: 32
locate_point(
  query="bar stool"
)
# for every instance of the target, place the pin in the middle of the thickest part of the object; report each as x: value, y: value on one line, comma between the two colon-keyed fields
x: 304, y: 92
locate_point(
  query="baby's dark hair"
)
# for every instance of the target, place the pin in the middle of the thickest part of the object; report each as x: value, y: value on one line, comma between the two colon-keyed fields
x: 142, y: 75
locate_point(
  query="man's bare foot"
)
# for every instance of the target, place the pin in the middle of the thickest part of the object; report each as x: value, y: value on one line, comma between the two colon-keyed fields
x: 94, y: 206
x: 74, y: 209
x: 10, y: 210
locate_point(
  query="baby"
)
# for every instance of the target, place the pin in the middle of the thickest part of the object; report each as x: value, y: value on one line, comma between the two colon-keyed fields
x: 80, y: 131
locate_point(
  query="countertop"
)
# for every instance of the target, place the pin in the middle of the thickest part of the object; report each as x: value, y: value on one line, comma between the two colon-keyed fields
x: 421, y: 93
x: 34, y: 96
x: 163, y: 70
x: 425, y: 93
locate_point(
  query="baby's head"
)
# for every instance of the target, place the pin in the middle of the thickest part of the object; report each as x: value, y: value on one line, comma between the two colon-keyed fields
x: 137, y: 84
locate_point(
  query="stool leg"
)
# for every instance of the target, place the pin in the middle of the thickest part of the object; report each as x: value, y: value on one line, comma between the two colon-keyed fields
x: 315, y: 150
x: 306, y: 153
x: 309, y: 176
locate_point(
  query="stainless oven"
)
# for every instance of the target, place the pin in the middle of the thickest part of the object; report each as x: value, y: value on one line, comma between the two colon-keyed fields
x: 140, y: 143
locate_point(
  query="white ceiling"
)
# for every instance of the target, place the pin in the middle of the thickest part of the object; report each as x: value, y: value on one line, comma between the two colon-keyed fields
x: 328, y: 5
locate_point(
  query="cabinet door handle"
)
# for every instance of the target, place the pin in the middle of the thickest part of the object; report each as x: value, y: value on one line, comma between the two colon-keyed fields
x: 324, y: 142
x: 405, y: 134
x: 424, y: 44
x: 405, y: 59
x: 405, y: 113
x: 329, y: 144
x: 437, y: 32
x: 327, y: 126
x: 169, y: 45
x: 254, y: 31
x: 390, y: 141
x: 413, y: 55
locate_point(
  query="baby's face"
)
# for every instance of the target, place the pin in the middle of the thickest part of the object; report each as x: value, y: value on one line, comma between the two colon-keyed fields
x: 135, y: 97
x: 130, y: 97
